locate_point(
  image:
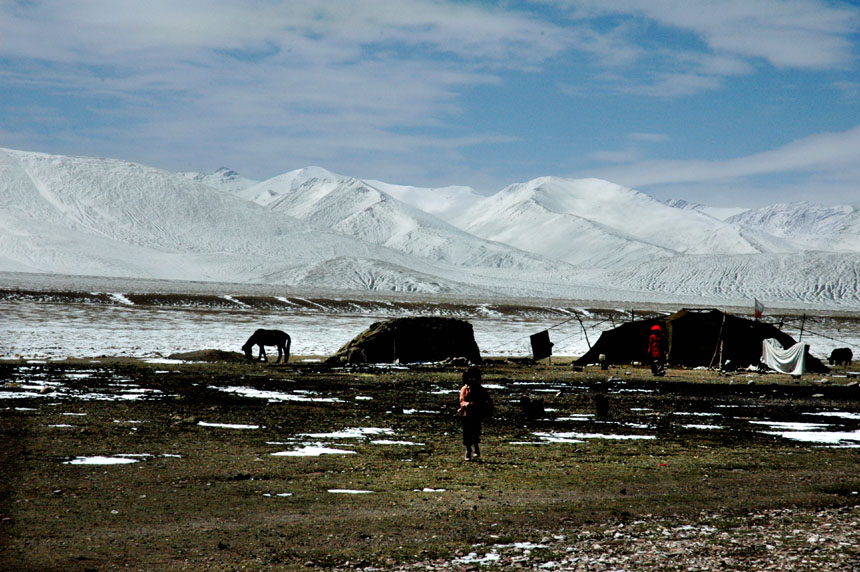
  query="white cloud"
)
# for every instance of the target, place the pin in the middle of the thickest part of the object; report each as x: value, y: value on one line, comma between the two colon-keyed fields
x: 829, y: 159
x: 317, y: 79
x: 678, y: 48
x: 375, y: 86
x: 807, y: 34
x: 110, y: 31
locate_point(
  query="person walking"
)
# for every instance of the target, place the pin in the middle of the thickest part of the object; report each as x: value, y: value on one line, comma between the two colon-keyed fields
x: 476, y: 403
x: 657, y: 351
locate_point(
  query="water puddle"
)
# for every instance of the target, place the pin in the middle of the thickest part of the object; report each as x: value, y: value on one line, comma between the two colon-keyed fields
x: 583, y: 417
x: 35, y: 386
x: 101, y: 460
x: 791, y: 425
x: 813, y: 433
x: 120, y: 459
x: 351, y: 433
x: 227, y: 425
x: 839, y: 414
x: 574, y: 437
x: 312, y: 451
x: 276, y: 396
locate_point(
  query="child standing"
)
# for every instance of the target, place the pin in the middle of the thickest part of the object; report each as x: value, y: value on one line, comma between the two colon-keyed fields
x: 475, y: 404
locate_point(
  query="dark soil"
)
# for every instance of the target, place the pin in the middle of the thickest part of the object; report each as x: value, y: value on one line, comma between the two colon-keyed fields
x: 206, y: 496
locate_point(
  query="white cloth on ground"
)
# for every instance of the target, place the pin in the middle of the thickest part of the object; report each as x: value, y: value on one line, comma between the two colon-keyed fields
x: 791, y: 360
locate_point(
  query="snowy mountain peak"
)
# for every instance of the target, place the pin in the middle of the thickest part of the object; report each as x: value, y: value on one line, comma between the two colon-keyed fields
x: 572, y: 195
x: 356, y: 208
x: 264, y: 192
x: 719, y: 213
x: 223, y: 178
x: 682, y: 204
x: 444, y: 202
x: 594, y: 222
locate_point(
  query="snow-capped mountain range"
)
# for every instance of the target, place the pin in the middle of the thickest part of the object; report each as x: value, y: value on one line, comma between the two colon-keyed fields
x: 310, y: 228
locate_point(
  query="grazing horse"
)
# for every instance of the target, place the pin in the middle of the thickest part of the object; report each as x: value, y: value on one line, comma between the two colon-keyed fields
x: 268, y: 338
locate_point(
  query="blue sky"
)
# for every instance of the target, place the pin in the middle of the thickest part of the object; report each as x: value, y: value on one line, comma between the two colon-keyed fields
x: 729, y: 103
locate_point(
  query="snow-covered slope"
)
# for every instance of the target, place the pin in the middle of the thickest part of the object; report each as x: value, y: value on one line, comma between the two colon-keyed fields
x: 720, y: 213
x: 79, y: 215
x: 592, y: 222
x: 795, y: 279
x: 444, y: 202
x: 806, y: 225
x: 356, y: 208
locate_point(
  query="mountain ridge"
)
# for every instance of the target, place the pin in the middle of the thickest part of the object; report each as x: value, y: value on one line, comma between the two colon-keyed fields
x: 549, y: 237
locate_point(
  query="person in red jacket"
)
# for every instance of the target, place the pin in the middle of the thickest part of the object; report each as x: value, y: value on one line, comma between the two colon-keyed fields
x: 657, y: 351
x: 475, y: 404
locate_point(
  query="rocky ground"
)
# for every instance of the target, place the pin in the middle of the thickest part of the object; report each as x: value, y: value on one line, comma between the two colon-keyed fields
x: 772, y: 540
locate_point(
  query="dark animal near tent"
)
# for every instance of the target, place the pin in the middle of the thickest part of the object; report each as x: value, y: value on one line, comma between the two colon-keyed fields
x: 268, y: 338
x: 841, y: 356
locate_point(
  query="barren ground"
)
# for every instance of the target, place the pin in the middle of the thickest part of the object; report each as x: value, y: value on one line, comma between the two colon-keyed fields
x: 696, y: 471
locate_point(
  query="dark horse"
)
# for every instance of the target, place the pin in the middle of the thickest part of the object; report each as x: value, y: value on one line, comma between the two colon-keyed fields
x: 268, y: 338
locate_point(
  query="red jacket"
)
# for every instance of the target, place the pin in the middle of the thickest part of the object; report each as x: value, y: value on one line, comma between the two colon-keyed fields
x: 657, y: 343
x: 475, y: 401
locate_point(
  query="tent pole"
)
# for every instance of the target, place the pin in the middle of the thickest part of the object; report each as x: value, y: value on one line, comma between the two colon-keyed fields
x: 719, y: 346
x: 802, y: 322
x: 583, y: 329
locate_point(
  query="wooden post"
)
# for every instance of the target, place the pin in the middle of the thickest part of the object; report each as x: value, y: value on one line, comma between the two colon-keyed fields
x: 583, y: 329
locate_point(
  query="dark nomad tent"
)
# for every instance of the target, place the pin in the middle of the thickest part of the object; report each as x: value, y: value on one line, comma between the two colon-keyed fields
x: 696, y: 338
x: 410, y: 340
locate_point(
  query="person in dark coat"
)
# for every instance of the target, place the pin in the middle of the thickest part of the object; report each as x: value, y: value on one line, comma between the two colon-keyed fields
x: 476, y: 403
x: 657, y: 351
